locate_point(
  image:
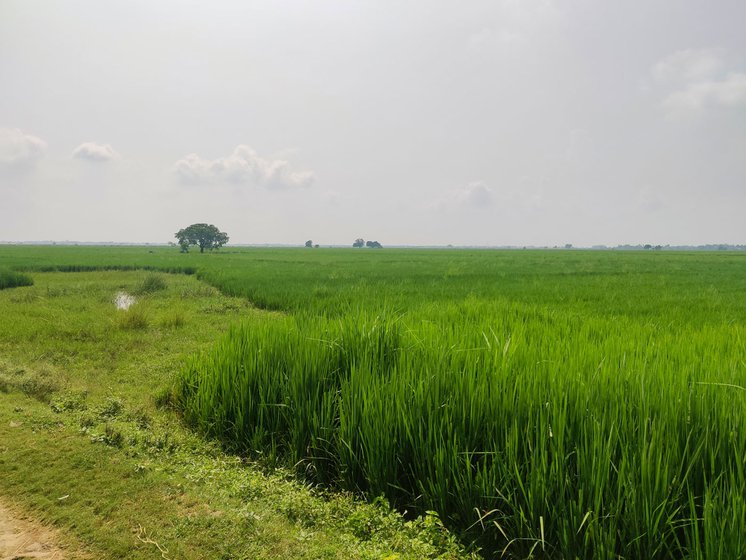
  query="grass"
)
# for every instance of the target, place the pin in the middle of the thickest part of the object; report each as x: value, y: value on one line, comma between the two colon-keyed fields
x: 84, y: 446
x: 544, y: 403
x: 588, y: 438
x: 151, y: 283
x: 13, y: 279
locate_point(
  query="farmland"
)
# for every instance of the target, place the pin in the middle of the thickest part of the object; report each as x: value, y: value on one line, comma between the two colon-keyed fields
x: 560, y: 404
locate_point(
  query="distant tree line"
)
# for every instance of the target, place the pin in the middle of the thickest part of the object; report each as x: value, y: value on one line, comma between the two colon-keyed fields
x: 360, y: 242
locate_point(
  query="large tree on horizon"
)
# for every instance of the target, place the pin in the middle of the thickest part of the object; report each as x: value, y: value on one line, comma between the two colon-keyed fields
x: 206, y: 236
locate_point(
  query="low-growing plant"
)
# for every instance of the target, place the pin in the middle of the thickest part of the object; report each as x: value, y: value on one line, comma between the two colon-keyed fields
x: 132, y: 319
x: 112, y: 408
x: 40, y: 383
x: 174, y: 319
x: 111, y: 436
x: 69, y: 401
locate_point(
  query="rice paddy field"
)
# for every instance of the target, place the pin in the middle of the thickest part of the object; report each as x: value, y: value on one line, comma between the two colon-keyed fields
x: 546, y: 404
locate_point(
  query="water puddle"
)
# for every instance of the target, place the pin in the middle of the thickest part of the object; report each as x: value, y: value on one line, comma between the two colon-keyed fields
x: 124, y: 300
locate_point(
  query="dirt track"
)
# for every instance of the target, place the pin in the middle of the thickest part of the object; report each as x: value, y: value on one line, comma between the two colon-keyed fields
x: 21, y: 538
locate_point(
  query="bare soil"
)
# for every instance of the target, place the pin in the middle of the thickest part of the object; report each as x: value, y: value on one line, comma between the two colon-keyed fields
x: 22, y: 538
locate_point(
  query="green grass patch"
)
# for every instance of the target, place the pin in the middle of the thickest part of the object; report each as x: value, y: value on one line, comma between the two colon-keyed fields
x: 134, y: 318
x: 150, y: 284
x: 572, y: 404
x: 85, y: 446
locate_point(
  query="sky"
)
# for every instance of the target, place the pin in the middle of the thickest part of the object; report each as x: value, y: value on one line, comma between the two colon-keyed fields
x: 416, y: 122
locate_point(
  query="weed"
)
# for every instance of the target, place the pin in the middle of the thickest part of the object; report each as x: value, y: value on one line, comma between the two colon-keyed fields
x: 132, y: 319
x: 38, y: 383
x: 173, y: 320
x: 150, y: 284
x: 69, y: 402
x: 140, y: 418
x: 87, y: 421
x: 112, y: 408
x: 165, y: 398
x: 112, y: 437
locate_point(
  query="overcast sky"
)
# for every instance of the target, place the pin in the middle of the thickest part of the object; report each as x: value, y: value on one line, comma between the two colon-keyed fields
x: 484, y: 122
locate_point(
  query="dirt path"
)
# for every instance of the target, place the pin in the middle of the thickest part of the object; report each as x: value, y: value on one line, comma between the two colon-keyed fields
x: 21, y: 538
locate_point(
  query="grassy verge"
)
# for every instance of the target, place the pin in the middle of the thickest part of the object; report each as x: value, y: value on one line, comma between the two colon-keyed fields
x: 84, y: 445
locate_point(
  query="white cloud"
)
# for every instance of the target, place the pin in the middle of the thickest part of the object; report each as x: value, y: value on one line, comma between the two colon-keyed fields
x: 728, y: 92
x: 476, y: 194
x: 689, y: 65
x: 91, y: 151
x: 18, y: 149
x: 696, y: 80
x: 244, y: 165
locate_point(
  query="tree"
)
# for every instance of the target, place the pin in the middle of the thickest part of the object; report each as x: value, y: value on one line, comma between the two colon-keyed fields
x: 204, y: 235
x: 309, y: 243
x: 373, y: 244
x: 359, y: 242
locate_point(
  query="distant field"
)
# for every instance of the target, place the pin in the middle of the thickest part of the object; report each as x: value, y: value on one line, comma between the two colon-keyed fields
x: 566, y: 404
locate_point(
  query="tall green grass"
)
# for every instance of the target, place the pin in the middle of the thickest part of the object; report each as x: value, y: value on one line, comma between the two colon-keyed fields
x: 13, y: 279
x: 564, y: 404
x: 528, y: 430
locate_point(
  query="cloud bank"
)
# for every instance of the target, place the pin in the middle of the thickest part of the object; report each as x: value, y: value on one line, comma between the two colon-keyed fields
x: 18, y: 149
x: 699, y: 82
x: 728, y: 92
x: 476, y: 194
x: 97, y: 153
x: 243, y: 166
x: 689, y: 65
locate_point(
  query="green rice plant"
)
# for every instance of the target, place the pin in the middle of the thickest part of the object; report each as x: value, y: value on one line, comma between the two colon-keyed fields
x: 527, y: 430
x: 13, y: 279
x: 546, y: 404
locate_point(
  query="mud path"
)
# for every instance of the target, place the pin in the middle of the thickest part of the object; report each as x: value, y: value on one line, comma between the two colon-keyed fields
x: 21, y: 538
